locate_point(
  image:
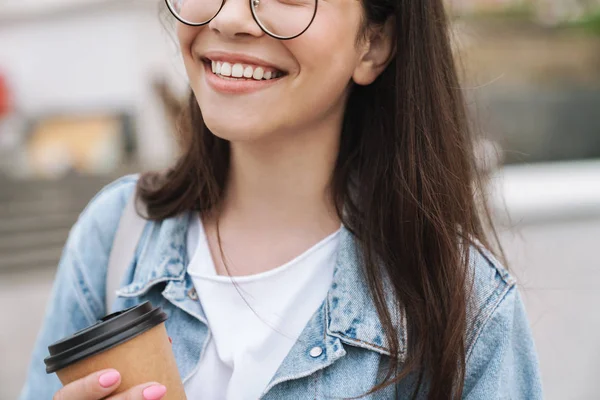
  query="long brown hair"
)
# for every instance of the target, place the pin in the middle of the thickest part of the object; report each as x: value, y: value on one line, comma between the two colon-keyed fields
x: 406, y: 179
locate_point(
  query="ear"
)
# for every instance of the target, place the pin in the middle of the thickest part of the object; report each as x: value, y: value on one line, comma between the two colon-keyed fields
x: 377, y: 51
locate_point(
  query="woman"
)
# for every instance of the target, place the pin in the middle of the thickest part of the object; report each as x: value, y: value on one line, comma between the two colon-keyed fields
x: 319, y: 236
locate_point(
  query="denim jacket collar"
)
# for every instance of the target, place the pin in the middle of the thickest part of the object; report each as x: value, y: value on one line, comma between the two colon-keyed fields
x: 161, y: 255
x: 350, y: 309
x: 348, y: 314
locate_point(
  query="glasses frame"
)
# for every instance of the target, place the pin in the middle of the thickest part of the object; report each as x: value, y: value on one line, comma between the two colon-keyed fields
x: 262, y: 27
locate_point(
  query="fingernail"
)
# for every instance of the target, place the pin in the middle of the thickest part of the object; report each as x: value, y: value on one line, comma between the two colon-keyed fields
x: 109, y: 378
x: 170, y: 340
x: 155, y: 392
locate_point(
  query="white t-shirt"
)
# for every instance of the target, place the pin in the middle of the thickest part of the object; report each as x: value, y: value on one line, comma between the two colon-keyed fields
x: 254, y: 326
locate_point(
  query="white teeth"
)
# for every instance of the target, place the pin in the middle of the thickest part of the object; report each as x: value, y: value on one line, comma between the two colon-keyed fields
x: 237, y: 71
x: 226, y: 69
x: 258, y: 73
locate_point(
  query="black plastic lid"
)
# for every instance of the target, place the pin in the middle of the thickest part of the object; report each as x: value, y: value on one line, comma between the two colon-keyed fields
x: 110, y: 331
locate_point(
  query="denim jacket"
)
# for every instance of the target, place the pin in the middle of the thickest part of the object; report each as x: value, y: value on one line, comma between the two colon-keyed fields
x: 501, y: 358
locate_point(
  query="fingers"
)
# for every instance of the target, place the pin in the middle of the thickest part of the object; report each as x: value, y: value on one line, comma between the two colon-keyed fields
x: 101, y: 384
x: 95, y: 386
x: 147, y: 391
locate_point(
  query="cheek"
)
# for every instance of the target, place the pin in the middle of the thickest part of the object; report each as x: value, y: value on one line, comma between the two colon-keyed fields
x: 185, y: 38
x: 327, y: 52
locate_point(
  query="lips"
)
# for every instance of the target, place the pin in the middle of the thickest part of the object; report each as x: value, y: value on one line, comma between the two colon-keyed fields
x: 237, y: 73
x: 239, y: 58
x: 246, y: 71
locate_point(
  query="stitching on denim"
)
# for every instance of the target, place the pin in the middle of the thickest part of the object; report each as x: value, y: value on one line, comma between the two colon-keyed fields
x: 299, y: 376
x: 363, y: 344
x: 117, y: 184
x: 141, y: 247
x: 488, y: 302
x: 141, y: 252
x: 146, y: 287
x: 326, y: 321
x: 483, y: 314
x: 202, y: 350
x: 82, y: 299
x: 505, y: 282
x: 383, y: 349
x: 484, y: 323
x: 343, y: 337
x: 495, y: 263
x: 165, y: 292
x: 370, y: 344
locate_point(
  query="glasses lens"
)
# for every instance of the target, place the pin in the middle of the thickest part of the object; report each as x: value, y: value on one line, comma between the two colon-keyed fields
x: 284, y: 18
x: 195, y: 12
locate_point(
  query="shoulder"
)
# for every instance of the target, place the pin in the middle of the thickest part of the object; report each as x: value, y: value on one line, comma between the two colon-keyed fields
x: 92, y: 234
x: 90, y: 240
x: 81, y: 273
x: 491, y: 286
x: 111, y: 199
x: 100, y: 218
x: 501, y: 359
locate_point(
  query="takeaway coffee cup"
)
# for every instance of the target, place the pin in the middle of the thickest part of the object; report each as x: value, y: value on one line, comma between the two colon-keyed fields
x: 133, y: 341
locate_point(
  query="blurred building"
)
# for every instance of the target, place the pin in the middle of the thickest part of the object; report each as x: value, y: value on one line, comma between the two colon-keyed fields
x: 547, y: 11
x: 86, y: 66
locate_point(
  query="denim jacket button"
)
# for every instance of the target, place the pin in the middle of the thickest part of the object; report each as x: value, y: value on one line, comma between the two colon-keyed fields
x: 316, y: 352
x: 192, y: 294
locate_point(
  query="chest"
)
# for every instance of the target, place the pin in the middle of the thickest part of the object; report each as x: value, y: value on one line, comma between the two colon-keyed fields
x: 249, y: 251
x: 338, y: 353
x: 336, y: 370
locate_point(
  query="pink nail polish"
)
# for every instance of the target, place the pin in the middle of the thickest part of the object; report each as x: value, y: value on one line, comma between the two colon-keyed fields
x: 155, y: 392
x: 108, y: 379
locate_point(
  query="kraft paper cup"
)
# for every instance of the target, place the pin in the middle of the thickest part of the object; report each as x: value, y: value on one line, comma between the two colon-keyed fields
x: 133, y: 341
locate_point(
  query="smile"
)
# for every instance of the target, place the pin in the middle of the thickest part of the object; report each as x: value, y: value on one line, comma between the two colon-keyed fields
x: 231, y: 77
x: 230, y: 70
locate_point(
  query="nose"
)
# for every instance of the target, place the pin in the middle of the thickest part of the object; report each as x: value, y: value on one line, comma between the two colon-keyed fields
x: 235, y: 20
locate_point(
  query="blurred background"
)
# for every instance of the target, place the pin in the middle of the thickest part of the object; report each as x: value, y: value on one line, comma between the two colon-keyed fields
x: 88, y: 89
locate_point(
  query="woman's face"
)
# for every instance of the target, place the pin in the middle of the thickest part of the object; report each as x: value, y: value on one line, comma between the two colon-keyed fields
x: 316, y: 69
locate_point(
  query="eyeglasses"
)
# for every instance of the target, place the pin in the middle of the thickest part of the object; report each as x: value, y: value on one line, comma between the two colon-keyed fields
x: 281, y: 19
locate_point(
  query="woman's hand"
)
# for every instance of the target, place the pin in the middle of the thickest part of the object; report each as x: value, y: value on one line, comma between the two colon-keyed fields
x: 101, y: 384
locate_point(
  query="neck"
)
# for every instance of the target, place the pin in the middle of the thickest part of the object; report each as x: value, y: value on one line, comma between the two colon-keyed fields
x: 284, y: 182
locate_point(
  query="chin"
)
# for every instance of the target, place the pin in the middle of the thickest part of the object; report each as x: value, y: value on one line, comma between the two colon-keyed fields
x: 239, y: 121
x: 235, y: 130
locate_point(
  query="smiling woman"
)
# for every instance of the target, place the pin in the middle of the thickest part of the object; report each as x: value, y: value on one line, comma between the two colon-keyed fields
x: 318, y: 237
